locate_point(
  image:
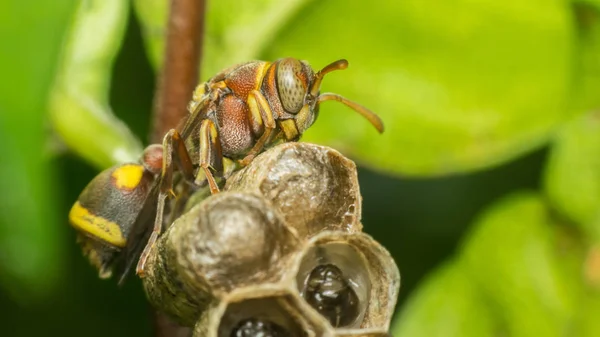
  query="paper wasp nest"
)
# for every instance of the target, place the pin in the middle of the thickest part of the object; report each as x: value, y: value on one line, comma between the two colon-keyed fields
x: 279, y: 253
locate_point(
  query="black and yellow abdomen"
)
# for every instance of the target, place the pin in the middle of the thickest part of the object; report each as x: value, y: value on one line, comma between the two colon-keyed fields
x: 107, y: 209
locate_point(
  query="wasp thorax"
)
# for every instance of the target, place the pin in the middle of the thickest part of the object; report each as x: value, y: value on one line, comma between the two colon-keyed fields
x: 292, y: 84
x: 330, y: 293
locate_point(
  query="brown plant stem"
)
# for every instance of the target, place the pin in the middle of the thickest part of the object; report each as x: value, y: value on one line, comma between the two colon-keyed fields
x: 178, y: 77
x: 179, y: 74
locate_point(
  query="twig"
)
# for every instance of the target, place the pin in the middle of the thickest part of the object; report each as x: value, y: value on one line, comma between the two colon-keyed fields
x: 179, y: 75
x: 180, y: 72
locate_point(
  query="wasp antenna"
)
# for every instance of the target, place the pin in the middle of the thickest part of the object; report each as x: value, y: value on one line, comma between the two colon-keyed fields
x: 368, y: 114
x: 337, y: 65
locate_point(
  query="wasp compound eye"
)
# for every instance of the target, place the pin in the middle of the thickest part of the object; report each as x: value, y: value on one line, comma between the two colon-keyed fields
x: 292, y: 84
x: 330, y: 293
x: 255, y: 327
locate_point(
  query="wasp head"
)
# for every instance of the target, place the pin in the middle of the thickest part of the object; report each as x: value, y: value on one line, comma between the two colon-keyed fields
x: 299, y: 91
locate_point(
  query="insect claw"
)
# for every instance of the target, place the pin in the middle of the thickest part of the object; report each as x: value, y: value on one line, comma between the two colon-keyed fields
x: 139, y: 270
x: 247, y: 160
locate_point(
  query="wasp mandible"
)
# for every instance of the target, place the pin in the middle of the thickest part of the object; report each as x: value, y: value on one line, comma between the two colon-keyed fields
x: 235, y: 115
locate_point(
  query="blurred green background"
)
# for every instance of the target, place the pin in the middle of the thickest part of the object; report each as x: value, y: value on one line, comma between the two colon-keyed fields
x: 485, y: 186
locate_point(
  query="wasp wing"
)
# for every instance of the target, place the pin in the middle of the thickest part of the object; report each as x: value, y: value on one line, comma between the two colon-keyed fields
x: 139, y: 235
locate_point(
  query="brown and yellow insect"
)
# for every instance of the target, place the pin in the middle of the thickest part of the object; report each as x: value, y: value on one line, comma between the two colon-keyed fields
x: 234, y: 115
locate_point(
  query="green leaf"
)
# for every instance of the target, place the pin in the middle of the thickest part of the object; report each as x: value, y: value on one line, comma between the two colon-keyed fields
x: 460, y: 84
x: 153, y: 15
x: 511, y: 255
x: 586, y: 93
x: 31, y: 236
x: 594, y: 3
x: 239, y: 31
x: 587, y: 321
x: 572, y: 177
x: 79, y: 108
x: 447, y: 304
x: 236, y: 31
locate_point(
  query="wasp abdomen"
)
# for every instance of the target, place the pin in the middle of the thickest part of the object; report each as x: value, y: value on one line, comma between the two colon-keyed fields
x: 108, y: 207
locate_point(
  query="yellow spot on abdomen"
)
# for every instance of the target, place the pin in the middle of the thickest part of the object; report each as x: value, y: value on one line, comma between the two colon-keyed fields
x: 128, y: 176
x: 96, y: 226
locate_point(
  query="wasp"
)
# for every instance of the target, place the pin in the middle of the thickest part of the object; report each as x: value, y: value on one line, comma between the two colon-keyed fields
x: 330, y: 293
x: 232, y: 118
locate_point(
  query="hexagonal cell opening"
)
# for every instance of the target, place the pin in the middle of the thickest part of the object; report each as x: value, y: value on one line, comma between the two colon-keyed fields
x: 333, y: 278
x: 268, y: 317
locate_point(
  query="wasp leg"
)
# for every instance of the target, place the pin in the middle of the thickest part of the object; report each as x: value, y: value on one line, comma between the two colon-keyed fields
x: 260, y: 113
x: 211, y: 154
x: 175, y: 154
x: 174, y: 151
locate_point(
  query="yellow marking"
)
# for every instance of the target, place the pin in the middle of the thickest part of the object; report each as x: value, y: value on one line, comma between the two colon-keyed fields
x: 192, y: 105
x: 198, y: 92
x: 96, y: 226
x: 214, y: 134
x: 266, y: 109
x: 218, y: 85
x: 128, y: 176
x: 254, y: 110
x: 289, y: 129
x: 302, y: 118
x: 260, y: 74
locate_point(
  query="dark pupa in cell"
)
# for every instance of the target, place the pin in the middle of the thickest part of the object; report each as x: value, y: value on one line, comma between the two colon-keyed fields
x: 257, y: 327
x: 329, y: 291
